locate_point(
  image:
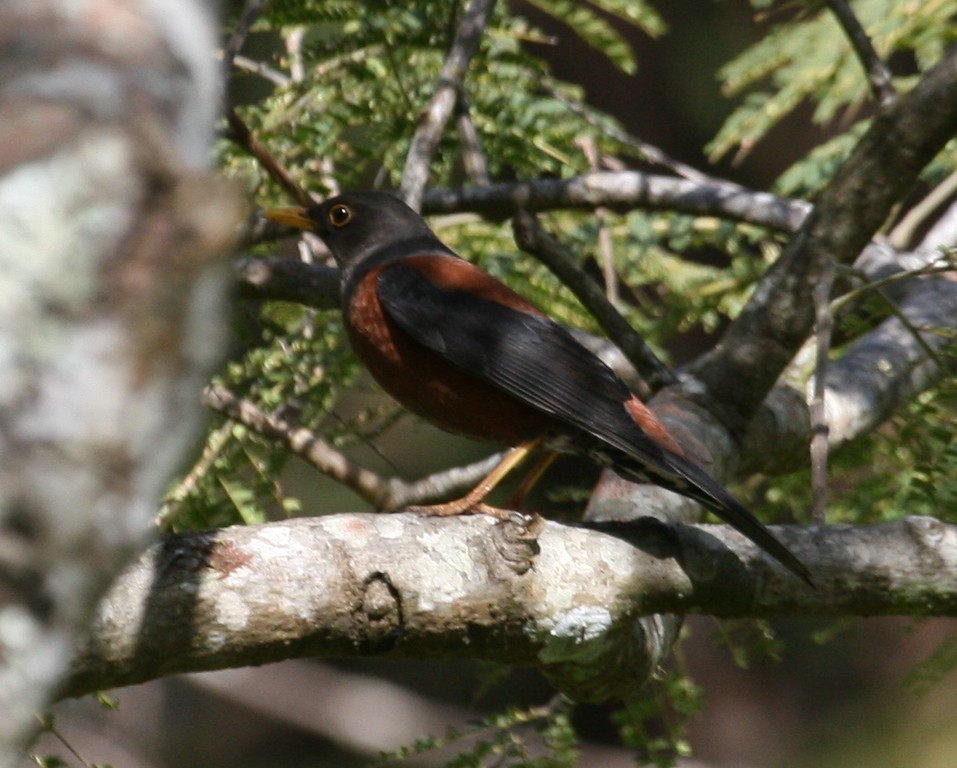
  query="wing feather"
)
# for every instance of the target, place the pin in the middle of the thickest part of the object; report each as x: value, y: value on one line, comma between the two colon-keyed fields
x: 513, y: 347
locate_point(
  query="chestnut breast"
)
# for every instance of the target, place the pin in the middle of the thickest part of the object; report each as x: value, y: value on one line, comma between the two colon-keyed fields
x: 425, y: 382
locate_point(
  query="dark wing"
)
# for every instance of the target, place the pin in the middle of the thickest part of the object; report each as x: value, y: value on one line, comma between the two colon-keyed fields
x: 438, y: 301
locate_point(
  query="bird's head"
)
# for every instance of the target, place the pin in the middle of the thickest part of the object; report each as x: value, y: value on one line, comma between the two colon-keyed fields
x: 362, y: 226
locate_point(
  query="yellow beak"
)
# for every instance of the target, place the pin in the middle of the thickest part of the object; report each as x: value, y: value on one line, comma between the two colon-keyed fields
x: 292, y: 217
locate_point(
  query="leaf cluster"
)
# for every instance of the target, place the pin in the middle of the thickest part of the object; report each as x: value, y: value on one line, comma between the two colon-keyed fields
x: 536, y: 737
x: 805, y: 63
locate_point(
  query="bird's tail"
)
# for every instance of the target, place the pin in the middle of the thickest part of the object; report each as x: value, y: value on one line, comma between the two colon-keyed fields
x: 682, y: 476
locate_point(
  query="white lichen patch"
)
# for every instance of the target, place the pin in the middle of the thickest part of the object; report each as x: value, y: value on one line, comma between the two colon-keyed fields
x: 232, y: 611
x: 579, y: 636
x: 566, y: 552
x: 298, y: 603
x: 583, y: 623
x: 389, y: 527
x: 274, y: 536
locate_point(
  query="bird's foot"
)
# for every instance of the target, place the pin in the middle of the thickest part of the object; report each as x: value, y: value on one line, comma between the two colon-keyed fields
x: 514, y: 538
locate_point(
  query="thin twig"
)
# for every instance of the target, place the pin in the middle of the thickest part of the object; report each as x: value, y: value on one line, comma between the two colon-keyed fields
x: 383, y: 493
x: 294, y: 48
x: 47, y: 724
x: 912, y: 329
x: 902, y: 234
x: 606, y: 248
x: 532, y: 239
x: 937, y: 267
x: 240, y: 134
x: 943, y: 232
x: 824, y: 323
x: 878, y: 74
x: 473, y: 157
x: 171, y: 505
x: 262, y: 69
x: 415, y: 175
x: 251, y: 11
x: 648, y: 152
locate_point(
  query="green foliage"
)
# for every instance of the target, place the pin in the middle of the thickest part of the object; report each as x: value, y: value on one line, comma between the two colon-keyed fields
x: 510, y: 738
x: 370, y: 75
x: 598, y: 32
x: 808, y: 61
x: 749, y: 639
x: 297, y: 372
x: 654, y: 722
x: 941, y: 662
x: 906, y: 467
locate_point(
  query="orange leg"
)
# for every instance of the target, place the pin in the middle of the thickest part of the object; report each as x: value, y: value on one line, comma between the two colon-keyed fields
x: 540, y: 468
x: 473, y: 500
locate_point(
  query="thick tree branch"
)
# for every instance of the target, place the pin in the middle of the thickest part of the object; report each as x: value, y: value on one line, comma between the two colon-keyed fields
x: 619, y: 190
x: 408, y: 586
x: 312, y: 285
x: 111, y: 238
x: 762, y: 340
x: 891, y: 364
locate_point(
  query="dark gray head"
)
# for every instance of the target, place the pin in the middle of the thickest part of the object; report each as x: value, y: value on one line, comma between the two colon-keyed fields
x: 362, y: 227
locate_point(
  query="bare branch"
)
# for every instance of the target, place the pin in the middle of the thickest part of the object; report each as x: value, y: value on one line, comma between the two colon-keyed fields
x: 622, y: 191
x: 312, y: 285
x: 473, y: 158
x: 415, y: 175
x: 823, y: 327
x: 866, y: 385
x: 263, y: 70
x: 606, y: 247
x: 381, y: 492
x: 252, y: 9
x: 408, y: 586
x: 647, y: 152
x: 240, y: 134
x: 903, y: 233
x: 890, y: 364
x: 878, y: 74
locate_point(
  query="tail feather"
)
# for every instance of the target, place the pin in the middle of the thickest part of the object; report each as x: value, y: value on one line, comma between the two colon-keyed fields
x: 681, y: 476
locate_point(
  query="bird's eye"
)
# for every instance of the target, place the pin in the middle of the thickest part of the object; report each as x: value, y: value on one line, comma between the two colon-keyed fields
x: 340, y: 215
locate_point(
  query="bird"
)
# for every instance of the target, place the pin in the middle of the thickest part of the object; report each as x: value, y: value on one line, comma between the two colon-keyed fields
x: 464, y: 351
